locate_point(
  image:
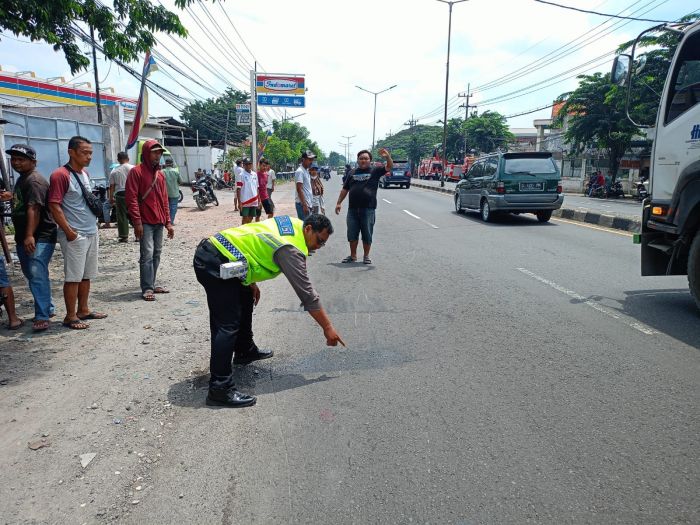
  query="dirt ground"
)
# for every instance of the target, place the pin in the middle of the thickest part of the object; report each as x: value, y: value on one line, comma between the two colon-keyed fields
x: 65, y: 394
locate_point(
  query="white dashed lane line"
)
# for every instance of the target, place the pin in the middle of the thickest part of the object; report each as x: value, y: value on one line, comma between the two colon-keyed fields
x: 592, y: 304
x: 422, y: 220
x: 388, y: 202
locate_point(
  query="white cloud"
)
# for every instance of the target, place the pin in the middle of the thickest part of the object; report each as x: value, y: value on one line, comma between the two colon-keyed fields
x: 376, y: 44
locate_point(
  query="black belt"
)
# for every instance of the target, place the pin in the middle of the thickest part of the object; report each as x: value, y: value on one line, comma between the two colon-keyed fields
x: 209, y: 248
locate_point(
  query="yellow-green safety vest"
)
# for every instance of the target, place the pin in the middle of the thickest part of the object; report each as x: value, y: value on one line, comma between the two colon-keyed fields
x: 257, y: 243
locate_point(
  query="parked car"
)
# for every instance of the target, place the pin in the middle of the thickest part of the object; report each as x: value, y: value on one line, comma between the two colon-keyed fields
x: 511, y: 183
x: 400, y: 176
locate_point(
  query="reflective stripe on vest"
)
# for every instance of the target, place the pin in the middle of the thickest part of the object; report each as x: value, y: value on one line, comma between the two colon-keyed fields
x: 257, y: 242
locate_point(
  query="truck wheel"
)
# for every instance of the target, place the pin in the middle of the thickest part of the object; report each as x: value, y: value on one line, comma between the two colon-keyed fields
x: 694, y: 269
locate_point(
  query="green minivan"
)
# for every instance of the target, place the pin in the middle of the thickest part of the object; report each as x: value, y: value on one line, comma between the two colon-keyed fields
x: 527, y: 182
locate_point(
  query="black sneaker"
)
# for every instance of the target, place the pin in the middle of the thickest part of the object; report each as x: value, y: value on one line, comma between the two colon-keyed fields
x: 229, y: 398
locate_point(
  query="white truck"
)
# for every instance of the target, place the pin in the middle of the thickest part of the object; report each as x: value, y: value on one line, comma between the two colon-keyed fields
x: 670, y: 235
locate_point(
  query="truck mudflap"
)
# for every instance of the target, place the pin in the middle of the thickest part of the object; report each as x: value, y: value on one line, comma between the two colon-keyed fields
x: 663, y: 252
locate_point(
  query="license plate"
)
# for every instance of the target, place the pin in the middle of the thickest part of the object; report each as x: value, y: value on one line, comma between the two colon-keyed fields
x: 531, y: 186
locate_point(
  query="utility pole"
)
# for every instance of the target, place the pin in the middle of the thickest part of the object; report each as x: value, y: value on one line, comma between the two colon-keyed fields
x: 97, y: 78
x: 228, y: 114
x: 253, y: 116
x: 466, y: 107
x: 447, y: 82
x: 411, y: 124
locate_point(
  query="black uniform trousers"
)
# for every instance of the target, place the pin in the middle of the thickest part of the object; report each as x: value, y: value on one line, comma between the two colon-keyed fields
x: 230, y: 313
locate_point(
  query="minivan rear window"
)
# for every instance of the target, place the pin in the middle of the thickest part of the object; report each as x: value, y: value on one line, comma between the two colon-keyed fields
x: 527, y: 165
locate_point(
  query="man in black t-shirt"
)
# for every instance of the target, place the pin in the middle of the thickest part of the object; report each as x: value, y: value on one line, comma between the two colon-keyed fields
x: 35, y: 230
x: 362, y: 186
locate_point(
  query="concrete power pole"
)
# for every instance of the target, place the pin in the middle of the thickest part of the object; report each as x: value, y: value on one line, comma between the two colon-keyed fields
x: 466, y: 107
x: 411, y: 124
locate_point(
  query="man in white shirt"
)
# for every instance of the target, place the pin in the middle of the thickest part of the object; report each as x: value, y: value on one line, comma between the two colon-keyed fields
x: 302, y: 179
x: 117, y: 194
x: 237, y: 178
x: 247, y: 192
x: 271, y: 176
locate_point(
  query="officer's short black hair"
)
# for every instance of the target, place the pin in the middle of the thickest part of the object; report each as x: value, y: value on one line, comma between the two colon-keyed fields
x: 318, y: 223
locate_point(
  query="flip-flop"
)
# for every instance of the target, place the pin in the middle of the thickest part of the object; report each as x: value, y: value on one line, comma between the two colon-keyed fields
x: 92, y: 315
x: 366, y: 260
x: 40, y: 326
x: 349, y: 259
x: 160, y: 289
x: 75, y: 324
x: 16, y: 326
x: 148, y: 296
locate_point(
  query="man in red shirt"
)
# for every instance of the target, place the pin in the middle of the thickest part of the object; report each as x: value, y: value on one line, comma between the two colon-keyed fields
x: 147, y: 202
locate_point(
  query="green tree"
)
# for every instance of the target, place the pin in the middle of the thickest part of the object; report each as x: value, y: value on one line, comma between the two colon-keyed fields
x: 649, y: 73
x: 336, y: 159
x: 278, y: 152
x: 486, y: 132
x: 125, y: 31
x: 298, y: 138
x: 209, y: 116
x: 596, y: 117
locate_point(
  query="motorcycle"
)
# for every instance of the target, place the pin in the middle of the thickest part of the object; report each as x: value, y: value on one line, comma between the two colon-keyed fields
x: 203, y: 193
x: 100, y: 192
x: 615, y: 190
x: 595, y: 190
x: 642, y: 188
x: 221, y: 184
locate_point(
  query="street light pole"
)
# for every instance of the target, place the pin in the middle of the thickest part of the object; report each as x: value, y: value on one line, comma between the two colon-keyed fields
x: 447, y: 80
x: 347, y: 150
x: 375, y: 93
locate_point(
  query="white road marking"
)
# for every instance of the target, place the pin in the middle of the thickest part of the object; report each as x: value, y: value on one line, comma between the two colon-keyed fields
x: 633, y: 324
x: 422, y: 220
x: 388, y: 202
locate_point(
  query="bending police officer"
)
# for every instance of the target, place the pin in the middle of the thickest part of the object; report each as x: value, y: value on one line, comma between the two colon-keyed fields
x: 229, y: 265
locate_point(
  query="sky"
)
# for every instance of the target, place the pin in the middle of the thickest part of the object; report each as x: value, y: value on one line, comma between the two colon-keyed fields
x: 510, y: 49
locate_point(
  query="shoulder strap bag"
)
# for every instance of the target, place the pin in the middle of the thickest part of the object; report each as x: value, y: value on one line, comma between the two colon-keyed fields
x: 91, y: 200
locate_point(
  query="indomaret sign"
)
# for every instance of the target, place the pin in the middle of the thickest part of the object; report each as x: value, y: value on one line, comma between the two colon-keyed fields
x: 280, y: 84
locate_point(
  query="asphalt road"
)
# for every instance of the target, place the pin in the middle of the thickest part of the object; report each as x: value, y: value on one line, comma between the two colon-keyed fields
x: 495, y: 373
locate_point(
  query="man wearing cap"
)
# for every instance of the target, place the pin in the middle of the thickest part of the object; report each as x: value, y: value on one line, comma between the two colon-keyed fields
x: 35, y: 230
x: 302, y: 179
x: 117, y: 194
x: 78, y: 232
x: 247, y: 192
x: 229, y: 265
x: 147, y: 201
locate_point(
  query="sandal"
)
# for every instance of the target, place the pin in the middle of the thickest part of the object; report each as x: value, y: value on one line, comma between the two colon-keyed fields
x: 16, y: 326
x: 160, y: 289
x: 148, y: 295
x: 40, y: 326
x: 366, y: 260
x: 349, y: 259
x: 92, y: 315
x: 76, y: 324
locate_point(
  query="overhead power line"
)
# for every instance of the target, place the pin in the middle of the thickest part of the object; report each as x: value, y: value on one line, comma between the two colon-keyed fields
x: 604, y: 14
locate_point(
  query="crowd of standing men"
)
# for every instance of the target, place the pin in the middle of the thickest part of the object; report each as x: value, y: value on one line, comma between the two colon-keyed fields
x: 62, y: 209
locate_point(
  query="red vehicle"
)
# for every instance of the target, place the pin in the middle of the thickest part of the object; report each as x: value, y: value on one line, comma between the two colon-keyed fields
x: 430, y: 168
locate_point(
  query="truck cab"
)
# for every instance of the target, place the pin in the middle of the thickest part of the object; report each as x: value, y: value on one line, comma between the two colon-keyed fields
x: 670, y: 238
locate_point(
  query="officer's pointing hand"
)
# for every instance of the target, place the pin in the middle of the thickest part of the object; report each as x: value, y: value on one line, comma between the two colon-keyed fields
x: 332, y: 337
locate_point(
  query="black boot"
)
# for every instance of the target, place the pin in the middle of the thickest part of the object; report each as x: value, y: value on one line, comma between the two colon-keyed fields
x: 229, y: 397
x: 250, y: 355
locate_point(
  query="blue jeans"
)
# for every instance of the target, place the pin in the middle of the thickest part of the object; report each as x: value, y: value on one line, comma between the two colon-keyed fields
x: 172, y: 204
x: 106, y: 211
x: 35, y: 268
x: 151, y: 245
x: 300, y: 211
x: 360, y: 220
